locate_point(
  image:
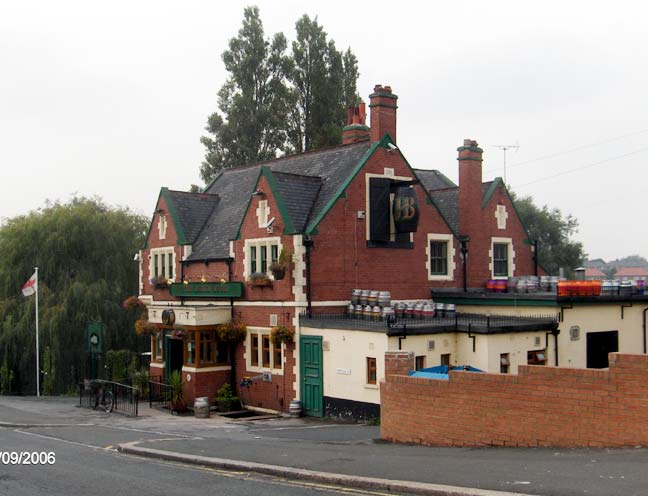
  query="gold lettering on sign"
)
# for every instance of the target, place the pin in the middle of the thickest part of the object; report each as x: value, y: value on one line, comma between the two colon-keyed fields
x: 405, y: 209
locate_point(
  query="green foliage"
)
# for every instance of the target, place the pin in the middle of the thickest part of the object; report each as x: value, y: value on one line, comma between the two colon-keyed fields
x: 224, y: 392
x: 175, y: 381
x: 282, y: 334
x: 324, y: 85
x: 232, y: 332
x: 119, y: 364
x: 49, y: 367
x: 6, y: 377
x: 273, y: 102
x: 254, y: 100
x: 84, y: 251
x: 553, y: 231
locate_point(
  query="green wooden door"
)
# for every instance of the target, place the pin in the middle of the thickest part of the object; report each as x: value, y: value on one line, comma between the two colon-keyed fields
x: 312, y: 389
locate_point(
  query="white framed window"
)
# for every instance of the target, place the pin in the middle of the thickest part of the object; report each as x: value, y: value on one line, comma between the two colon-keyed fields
x: 502, y: 258
x: 162, y: 262
x: 259, y: 254
x: 260, y: 352
x: 439, y: 257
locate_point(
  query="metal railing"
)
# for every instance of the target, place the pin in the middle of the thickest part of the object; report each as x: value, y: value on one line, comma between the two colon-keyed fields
x: 454, y: 319
x: 110, y: 396
x: 159, y: 394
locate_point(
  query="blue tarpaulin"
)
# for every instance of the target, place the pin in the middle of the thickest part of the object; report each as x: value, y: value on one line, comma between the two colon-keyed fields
x: 441, y: 371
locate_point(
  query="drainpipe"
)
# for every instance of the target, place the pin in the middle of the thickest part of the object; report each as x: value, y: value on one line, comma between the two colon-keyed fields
x: 555, y: 331
x: 535, y: 257
x: 232, y: 346
x: 463, y: 240
x: 644, y: 329
x: 308, y: 244
x: 229, y: 278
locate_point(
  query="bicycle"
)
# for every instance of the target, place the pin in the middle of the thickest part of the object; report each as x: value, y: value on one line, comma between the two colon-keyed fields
x: 104, y: 398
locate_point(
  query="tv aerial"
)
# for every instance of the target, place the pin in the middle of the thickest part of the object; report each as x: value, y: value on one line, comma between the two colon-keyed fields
x: 504, y: 149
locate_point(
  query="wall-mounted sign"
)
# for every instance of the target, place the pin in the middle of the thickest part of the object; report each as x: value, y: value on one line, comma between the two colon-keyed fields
x: 343, y: 371
x: 405, y: 209
x: 94, y: 337
x: 168, y: 317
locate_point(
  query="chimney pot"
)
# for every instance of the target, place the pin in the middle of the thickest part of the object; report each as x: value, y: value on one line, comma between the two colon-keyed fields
x: 383, y: 105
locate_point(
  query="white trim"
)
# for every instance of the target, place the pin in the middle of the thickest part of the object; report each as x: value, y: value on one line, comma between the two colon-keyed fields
x: 186, y: 251
x: 299, y: 256
x: 157, y: 365
x: 140, y: 264
x: 162, y: 250
x: 263, y: 213
x: 501, y: 215
x: 511, y: 257
x: 368, y: 176
x: 258, y: 242
x: 450, y: 261
x: 162, y: 226
x: 198, y: 370
x: 263, y: 331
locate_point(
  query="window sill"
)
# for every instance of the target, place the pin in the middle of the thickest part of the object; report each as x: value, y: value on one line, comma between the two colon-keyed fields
x: 407, y: 245
x: 371, y: 386
x: 439, y: 277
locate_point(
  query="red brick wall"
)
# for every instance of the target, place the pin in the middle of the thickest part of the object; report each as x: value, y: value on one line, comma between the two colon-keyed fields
x: 203, y: 384
x: 277, y: 394
x: 154, y: 241
x: 401, y: 271
x: 280, y: 290
x: 542, y: 406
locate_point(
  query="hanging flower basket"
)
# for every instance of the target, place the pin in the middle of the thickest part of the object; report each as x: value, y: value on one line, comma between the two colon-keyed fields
x: 231, y: 331
x: 160, y: 282
x: 278, y: 271
x: 282, y: 334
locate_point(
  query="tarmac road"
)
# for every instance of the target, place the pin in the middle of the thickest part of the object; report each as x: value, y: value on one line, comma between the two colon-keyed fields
x: 326, y: 446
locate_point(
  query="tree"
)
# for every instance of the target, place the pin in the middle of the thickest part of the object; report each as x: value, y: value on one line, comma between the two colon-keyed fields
x: 273, y: 102
x: 84, y: 251
x: 254, y: 100
x: 324, y: 84
x: 553, y: 233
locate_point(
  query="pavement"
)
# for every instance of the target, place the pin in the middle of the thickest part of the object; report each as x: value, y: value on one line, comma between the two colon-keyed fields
x: 349, y: 455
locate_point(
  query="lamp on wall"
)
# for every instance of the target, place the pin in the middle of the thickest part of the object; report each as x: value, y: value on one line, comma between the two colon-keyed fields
x: 258, y: 192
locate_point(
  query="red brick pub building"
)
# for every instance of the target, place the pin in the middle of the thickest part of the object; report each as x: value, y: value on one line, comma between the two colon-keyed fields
x: 337, y: 214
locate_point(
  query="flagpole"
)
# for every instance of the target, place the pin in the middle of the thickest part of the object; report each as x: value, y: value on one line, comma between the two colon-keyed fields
x: 37, y: 357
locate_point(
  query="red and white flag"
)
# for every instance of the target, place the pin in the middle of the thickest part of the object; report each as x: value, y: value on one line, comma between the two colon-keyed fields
x: 30, y: 286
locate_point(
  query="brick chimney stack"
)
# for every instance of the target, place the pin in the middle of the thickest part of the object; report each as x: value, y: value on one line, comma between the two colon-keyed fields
x: 383, y: 112
x: 356, y: 129
x: 470, y: 187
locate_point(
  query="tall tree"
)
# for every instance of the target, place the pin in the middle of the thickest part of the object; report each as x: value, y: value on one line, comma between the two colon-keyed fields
x: 553, y: 232
x: 253, y: 101
x: 324, y: 84
x: 84, y: 251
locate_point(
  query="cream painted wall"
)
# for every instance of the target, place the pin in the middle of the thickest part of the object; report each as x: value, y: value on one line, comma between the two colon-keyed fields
x: 487, y: 349
x: 599, y: 318
x: 345, y: 367
x: 509, y: 310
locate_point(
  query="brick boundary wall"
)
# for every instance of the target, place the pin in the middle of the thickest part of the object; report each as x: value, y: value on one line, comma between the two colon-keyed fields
x: 541, y: 406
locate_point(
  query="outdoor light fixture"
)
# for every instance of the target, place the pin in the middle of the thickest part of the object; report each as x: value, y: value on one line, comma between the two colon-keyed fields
x: 258, y: 192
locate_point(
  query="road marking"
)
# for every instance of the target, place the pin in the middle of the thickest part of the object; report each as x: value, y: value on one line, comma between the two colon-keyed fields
x: 65, y: 441
x: 305, y: 427
x: 149, y: 432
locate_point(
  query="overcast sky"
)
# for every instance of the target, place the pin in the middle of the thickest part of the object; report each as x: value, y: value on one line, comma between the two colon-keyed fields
x: 112, y: 98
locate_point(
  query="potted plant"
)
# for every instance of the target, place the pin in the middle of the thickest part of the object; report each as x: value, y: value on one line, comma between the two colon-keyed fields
x: 177, y: 400
x: 280, y: 266
x: 282, y: 334
x: 225, y: 400
x: 259, y: 279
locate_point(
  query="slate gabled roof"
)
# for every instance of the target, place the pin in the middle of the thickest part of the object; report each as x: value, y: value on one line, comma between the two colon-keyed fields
x: 320, y: 173
x: 299, y: 194
x: 433, y: 179
x: 447, y: 201
x: 192, y: 211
